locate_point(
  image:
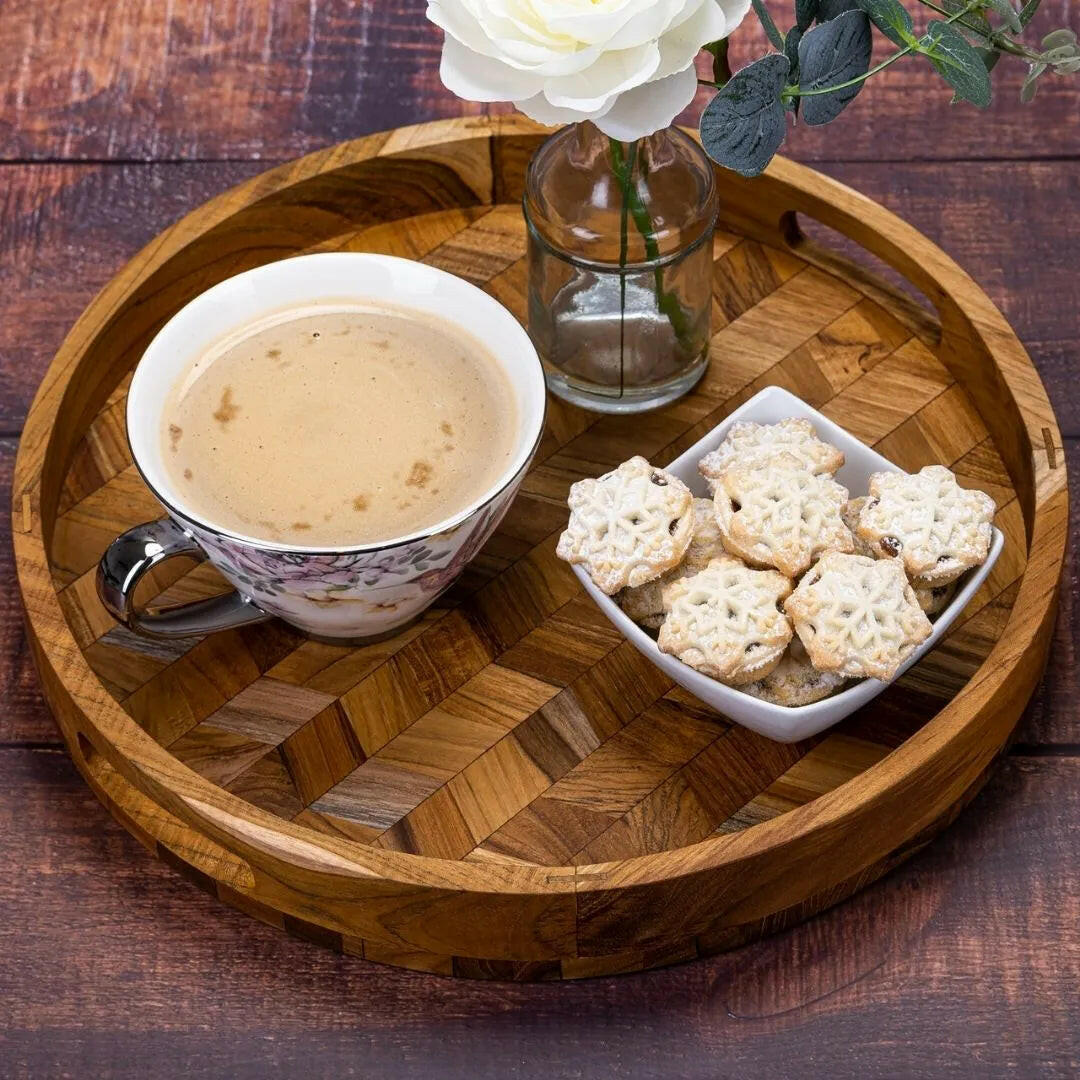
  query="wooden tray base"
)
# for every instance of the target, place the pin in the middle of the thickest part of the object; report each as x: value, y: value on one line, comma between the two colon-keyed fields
x: 507, y: 789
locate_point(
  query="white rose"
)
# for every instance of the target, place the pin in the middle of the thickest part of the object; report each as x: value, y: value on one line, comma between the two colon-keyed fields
x: 626, y: 65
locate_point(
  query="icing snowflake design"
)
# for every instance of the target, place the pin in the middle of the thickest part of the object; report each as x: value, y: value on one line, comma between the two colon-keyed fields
x: 936, y: 527
x: 629, y: 526
x: 857, y: 616
x: 726, y: 622
x: 778, y: 514
x: 749, y: 443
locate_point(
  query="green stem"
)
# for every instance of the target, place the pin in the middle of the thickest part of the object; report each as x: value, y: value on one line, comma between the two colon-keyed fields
x: 666, y: 301
x: 996, y: 39
x: 790, y: 92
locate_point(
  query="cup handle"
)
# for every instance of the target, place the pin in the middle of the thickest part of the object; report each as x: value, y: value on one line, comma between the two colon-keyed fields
x: 129, y: 556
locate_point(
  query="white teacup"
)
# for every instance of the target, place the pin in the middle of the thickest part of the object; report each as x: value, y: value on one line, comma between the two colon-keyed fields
x: 340, y: 593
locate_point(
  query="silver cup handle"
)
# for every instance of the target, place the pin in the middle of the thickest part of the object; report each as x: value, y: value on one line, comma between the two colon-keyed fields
x: 140, y: 549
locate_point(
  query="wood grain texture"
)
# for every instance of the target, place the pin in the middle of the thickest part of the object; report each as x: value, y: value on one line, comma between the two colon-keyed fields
x: 956, y: 965
x: 464, y: 798
x: 271, y: 79
x: 926, y: 973
x: 49, y: 268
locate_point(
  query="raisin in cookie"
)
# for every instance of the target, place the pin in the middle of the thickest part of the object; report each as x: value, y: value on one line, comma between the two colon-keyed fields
x: 936, y: 527
x: 934, y: 599
x: 795, y: 681
x: 629, y: 526
x: 725, y: 621
x: 645, y: 604
x: 857, y: 616
x: 750, y: 443
x: 850, y: 516
x: 777, y: 514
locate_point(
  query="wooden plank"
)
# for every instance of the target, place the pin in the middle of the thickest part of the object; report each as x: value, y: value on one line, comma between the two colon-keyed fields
x: 274, y: 79
x: 45, y: 282
x: 984, y: 922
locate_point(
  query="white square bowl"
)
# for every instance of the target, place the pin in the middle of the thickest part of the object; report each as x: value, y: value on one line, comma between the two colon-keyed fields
x: 781, y: 722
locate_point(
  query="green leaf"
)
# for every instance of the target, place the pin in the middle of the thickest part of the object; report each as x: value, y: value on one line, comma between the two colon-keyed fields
x: 1007, y: 12
x: 1068, y: 67
x: 1027, y: 12
x: 891, y: 18
x: 721, y: 69
x: 766, y: 20
x: 833, y: 9
x: 835, y: 52
x: 1062, y: 52
x: 975, y: 23
x: 744, y: 125
x: 791, y: 51
x: 1056, y: 38
x: 805, y: 13
x: 957, y: 61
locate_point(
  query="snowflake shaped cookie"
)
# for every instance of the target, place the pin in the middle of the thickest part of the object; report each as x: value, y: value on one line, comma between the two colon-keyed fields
x: 726, y: 621
x: 850, y: 517
x: 645, y: 604
x: 629, y: 526
x: 750, y: 443
x: 795, y: 681
x: 937, y: 528
x: 775, y: 513
x: 857, y: 616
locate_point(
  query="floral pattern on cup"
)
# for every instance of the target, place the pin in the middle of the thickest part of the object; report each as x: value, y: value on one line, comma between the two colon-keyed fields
x: 389, y: 586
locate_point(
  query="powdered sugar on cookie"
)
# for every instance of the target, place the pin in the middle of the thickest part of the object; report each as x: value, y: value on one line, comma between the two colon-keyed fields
x: 629, y: 526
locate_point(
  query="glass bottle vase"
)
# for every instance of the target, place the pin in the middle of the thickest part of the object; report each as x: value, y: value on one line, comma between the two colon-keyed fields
x: 620, y: 266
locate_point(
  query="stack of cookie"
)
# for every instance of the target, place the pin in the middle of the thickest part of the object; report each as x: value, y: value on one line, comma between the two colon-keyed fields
x: 780, y: 584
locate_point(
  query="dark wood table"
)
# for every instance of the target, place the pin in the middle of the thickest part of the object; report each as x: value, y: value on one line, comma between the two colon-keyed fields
x: 115, y: 118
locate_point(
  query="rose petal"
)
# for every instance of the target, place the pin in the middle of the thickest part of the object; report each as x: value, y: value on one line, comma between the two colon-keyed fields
x: 541, y: 110
x: 678, y: 47
x: 648, y: 108
x: 612, y: 73
x: 482, y: 78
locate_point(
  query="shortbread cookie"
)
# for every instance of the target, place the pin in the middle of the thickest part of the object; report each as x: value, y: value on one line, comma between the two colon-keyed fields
x: 934, y: 599
x: 629, y: 526
x: 795, y: 681
x: 645, y: 604
x: 726, y: 621
x: 857, y: 616
x: 749, y: 443
x: 775, y: 513
x: 938, y: 528
x: 850, y: 517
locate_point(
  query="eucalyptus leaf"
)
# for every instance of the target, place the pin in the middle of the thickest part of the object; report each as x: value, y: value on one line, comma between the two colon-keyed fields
x: 989, y: 57
x: 833, y: 53
x: 975, y: 25
x: 1062, y: 52
x: 1007, y: 12
x: 720, y: 66
x: 1029, y: 89
x: 891, y: 18
x: 805, y: 13
x: 958, y: 62
x: 1057, y: 38
x: 744, y: 125
x: 1068, y: 67
x: 776, y: 39
x: 832, y: 9
x: 1027, y: 12
x: 791, y: 51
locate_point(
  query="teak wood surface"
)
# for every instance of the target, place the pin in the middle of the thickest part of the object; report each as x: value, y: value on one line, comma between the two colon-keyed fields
x: 964, y: 961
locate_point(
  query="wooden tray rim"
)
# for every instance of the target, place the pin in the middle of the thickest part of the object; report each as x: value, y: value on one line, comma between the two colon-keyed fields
x: 976, y: 712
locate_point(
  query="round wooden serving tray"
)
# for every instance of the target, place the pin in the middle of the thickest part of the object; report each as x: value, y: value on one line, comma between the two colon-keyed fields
x: 508, y: 789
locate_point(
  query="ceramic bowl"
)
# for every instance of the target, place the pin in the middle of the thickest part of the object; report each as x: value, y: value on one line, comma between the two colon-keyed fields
x: 781, y: 722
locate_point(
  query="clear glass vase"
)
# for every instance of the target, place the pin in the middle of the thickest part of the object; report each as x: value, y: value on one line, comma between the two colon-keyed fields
x: 620, y: 266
